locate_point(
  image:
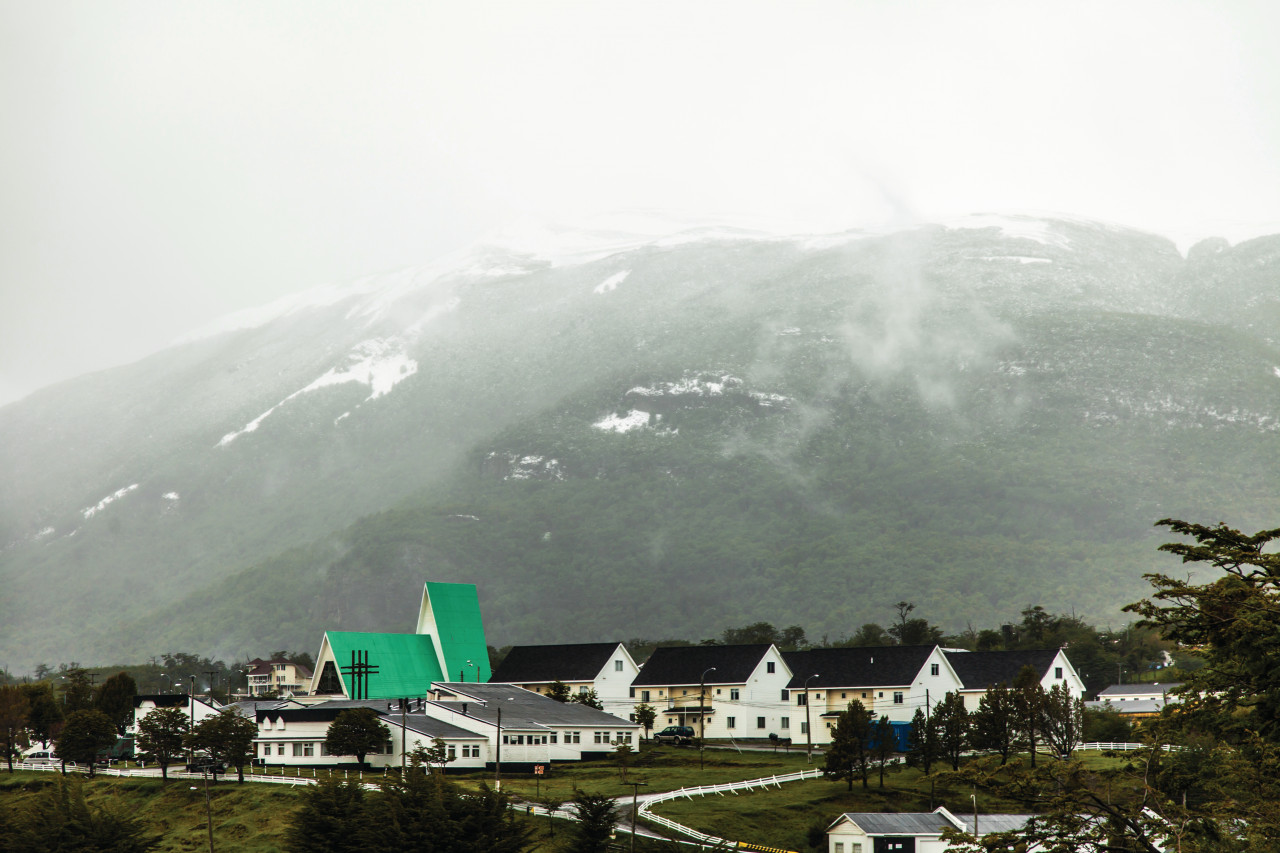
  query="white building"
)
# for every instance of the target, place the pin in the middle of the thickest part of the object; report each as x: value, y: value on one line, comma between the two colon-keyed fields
x: 606, y: 668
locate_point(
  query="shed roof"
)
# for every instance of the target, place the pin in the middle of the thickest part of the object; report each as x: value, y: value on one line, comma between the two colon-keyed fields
x: 460, y: 629
x: 1155, y: 688
x: 686, y: 664
x: 857, y: 666
x: 980, y: 670
x: 407, y: 663
x: 569, y: 662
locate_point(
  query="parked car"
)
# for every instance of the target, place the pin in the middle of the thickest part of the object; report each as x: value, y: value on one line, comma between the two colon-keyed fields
x: 40, y: 756
x: 675, y: 734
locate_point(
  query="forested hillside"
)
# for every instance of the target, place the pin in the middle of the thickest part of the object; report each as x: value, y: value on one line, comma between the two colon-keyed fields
x: 660, y: 441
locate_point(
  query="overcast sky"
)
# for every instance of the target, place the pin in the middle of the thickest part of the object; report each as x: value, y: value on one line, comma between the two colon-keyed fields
x: 164, y: 163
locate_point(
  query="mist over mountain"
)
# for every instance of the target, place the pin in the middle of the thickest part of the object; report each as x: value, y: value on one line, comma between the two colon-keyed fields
x: 623, y: 435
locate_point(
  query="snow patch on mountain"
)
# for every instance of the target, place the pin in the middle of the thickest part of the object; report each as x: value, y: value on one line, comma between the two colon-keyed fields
x: 170, y: 496
x: 612, y: 282
x: 523, y: 466
x: 634, y: 419
x: 1277, y: 371
x: 1022, y: 259
x: 1013, y: 227
x: 379, y: 363
x: 90, y: 512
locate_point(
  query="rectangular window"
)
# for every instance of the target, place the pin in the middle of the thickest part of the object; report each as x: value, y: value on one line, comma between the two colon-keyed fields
x: 309, y: 750
x: 577, y: 737
x: 506, y: 738
x: 769, y: 667
x: 897, y: 697
x: 933, y: 669
x: 633, y: 693
x: 617, y: 666
x: 802, y: 699
x: 453, y: 752
x: 729, y: 722
x: 266, y: 749
x: 582, y: 688
x: 843, y: 695
x: 623, y: 737
x: 733, y: 693
x: 644, y: 695
x: 553, y: 737
x: 839, y: 848
x: 297, y: 750
x: 804, y: 728
x: 1057, y: 672
x: 601, y: 737
x: 785, y: 723
x: 785, y: 696
x: 759, y: 722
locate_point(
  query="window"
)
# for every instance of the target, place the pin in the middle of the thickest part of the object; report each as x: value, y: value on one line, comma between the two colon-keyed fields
x: 785, y: 722
x: 266, y: 749
x: 582, y: 688
x: 933, y: 669
x: 601, y: 737
x: 802, y: 699
x: 730, y: 722
x: 717, y: 691
x: 308, y: 749
x: 324, y: 748
x: 864, y: 694
x: 897, y: 697
x: 769, y: 666
x: 297, y: 750
x: 784, y: 696
x: 553, y: 737
x: 644, y: 695
x: 843, y: 695
x: 759, y: 722
x: 623, y: 737
x: 452, y: 752
x: 659, y: 692
x: 1057, y: 672
x: 573, y: 737
x: 617, y: 666
x: 389, y: 748
x: 633, y: 693
x: 684, y: 692
x: 839, y: 848
x: 804, y: 728
x: 733, y: 694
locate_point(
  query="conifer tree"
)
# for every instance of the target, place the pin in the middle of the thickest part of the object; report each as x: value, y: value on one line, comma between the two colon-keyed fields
x: 849, y: 755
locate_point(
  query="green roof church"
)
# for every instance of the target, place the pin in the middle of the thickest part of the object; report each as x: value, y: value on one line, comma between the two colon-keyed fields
x: 449, y: 642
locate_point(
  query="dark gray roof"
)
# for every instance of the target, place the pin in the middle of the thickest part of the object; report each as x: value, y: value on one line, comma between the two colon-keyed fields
x: 521, y: 709
x: 574, y: 662
x: 1155, y: 688
x: 989, y: 823
x: 980, y: 670
x: 1128, y: 706
x: 686, y: 664
x: 906, y: 823
x: 161, y: 700
x: 431, y: 727
x: 857, y: 666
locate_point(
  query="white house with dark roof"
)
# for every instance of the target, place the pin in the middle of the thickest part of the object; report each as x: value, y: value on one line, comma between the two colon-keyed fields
x: 732, y: 691
x: 911, y: 832
x: 1137, y: 700
x: 889, y: 681
x: 294, y: 736
x: 527, y: 727
x: 197, y: 708
x: 982, y: 670
x: 606, y: 668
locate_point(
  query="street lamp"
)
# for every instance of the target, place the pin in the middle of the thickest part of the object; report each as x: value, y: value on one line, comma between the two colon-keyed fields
x: 702, y: 711
x: 635, y: 796
x: 808, y: 727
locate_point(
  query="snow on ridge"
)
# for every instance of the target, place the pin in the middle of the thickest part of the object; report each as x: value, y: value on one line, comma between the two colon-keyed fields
x: 1015, y: 226
x: 90, y: 512
x: 612, y: 282
x: 634, y: 419
x: 171, y: 496
x: 379, y: 363
x: 1022, y: 259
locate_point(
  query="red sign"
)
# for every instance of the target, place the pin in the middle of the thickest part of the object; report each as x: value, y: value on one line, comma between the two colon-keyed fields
x: 537, y: 770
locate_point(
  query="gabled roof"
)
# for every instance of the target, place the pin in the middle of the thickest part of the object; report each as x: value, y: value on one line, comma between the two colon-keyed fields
x: 857, y: 666
x: 161, y: 700
x: 686, y: 664
x: 406, y: 663
x: 572, y: 662
x: 263, y: 667
x: 980, y: 670
x: 521, y: 709
x: 905, y: 823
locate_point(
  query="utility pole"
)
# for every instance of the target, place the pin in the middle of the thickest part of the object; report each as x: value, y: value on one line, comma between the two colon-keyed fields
x: 208, y: 809
x: 635, y: 796
x: 702, y: 713
x: 212, y: 673
x: 808, y: 727
x: 497, y: 761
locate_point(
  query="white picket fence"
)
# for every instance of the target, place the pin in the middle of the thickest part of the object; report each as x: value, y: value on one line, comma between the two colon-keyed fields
x: 703, y: 790
x: 1113, y: 747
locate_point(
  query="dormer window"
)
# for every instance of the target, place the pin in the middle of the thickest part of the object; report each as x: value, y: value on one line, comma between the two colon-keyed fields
x: 769, y: 666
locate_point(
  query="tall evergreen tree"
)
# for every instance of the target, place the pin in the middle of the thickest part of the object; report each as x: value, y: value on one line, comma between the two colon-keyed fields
x: 1063, y: 720
x: 884, y: 745
x: 924, y: 750
x: 994, y: 724
x: 951, y: 722
x: 849, y: 755
x: 1028, y: 703
x: 597, y: 815
x: 60, y: 820
x: 329, y: 819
